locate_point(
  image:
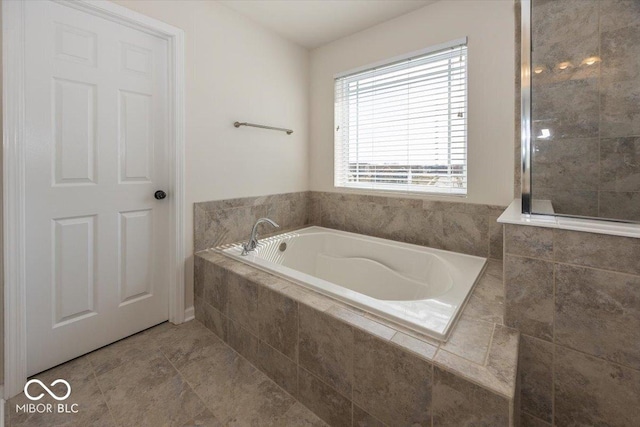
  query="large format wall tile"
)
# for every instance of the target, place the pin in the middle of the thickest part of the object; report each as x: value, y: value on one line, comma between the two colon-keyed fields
x: 323, y: 400
x: 243, y: 301
x: 532, y: 242
x: 462, y: 227
x: 564, y: 31
x: 215, y: 286
x: 227, y: 221
x: 585, y: 368
x: 457, y: 402
x: 590, y: 391
x: 619, y: 51
x: 569, y: 202
x: 619, y: 205
x: 586, y: 87
x: 351, y: 368
x: 598, y: 312
x: 211, y: 318
x: 282, y: 370
x: 529, y: 296
x: 620, y: 163
x: 242, y: 341
x: 597, y: 250
x: 536, y: 377
x: 568, y: 164
x: 392, y: 385
x: 326, y: 348
x: 620, y: 109
x: 568, y: 109
x: 616, y: 14
x: 278, y: 322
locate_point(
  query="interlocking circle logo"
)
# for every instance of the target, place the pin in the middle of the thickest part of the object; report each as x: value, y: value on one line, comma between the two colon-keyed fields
x: 52, y: 394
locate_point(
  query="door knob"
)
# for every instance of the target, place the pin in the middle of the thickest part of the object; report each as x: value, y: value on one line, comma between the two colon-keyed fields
x: 159, y: 195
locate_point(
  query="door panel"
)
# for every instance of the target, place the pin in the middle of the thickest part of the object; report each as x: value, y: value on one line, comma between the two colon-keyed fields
x: 97, y: 240
x: 74, y: 126
x: 136, y: 145
x: 136, y: 250
x: 74, y: 246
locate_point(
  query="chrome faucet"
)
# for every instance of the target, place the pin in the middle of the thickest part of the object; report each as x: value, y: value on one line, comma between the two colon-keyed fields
x: 253, y: 239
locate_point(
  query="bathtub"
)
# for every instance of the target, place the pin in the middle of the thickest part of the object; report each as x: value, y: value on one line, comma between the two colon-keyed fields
x: 421, y: 288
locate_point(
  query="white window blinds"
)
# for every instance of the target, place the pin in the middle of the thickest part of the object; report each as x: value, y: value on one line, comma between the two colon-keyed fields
x: 403, y: 126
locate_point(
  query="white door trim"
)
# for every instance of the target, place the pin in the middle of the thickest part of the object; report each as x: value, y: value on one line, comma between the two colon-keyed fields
x: 14, y: 133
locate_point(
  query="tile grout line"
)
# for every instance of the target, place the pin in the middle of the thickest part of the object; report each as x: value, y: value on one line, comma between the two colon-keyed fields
x: 433, y: 380
x: 545, y: 423
x: 587, y: 267
x: 189, y: 384
x: 617, y: 364
x: 257, y: 371
x: 488, y: 351
x: 469, y: 379
x: 104, y: 398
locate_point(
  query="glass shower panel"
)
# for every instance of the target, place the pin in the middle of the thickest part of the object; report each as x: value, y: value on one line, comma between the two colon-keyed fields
x: 585, y: 108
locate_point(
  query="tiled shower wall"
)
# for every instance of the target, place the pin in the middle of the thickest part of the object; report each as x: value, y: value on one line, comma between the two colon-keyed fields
x: 575, y: 297
x: 461, y: 227
x: 590, y: 164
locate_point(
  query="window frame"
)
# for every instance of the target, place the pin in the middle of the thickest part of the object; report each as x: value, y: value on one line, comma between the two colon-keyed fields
x: 407, y: 188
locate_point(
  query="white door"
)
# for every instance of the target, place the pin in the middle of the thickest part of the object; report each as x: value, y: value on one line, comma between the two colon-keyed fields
x: 97, y: 239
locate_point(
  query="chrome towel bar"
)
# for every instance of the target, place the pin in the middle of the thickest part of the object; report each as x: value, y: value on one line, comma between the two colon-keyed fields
x: 238, y: 124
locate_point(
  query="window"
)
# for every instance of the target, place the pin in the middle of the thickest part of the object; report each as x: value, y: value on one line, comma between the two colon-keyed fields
x: 402, y: 126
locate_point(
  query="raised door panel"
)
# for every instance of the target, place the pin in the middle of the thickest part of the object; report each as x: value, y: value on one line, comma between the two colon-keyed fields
x: 136, y: 254
x: 75, y: 45
x: 74, y: 272
x: 74, y: 130
x: 136, y: 145
x: 136, y: 60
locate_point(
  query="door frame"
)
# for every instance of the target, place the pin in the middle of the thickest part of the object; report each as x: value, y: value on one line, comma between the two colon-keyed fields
x: 14, y: 170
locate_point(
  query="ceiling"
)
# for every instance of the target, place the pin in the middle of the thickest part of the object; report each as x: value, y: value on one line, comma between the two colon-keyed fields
x: 313, y: 23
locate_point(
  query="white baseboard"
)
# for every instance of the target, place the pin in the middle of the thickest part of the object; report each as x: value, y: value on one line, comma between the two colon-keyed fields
x: 189, y: 314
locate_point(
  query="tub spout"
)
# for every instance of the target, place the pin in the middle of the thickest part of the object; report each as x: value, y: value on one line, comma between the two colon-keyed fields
x: 253, y: 239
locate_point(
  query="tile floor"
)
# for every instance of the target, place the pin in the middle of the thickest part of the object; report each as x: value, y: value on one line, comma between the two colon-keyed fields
x: 166, y: 376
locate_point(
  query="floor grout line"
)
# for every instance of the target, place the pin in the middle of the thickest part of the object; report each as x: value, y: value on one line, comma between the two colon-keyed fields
x: 104, y: 397
x: 206, y: 407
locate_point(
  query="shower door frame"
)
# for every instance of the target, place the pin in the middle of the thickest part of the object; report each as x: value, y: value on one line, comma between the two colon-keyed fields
x: 525, y: 105
x: 526, y: 49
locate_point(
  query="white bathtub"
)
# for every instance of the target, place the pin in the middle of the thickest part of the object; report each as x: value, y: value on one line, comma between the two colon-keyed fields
x: 421, y: 288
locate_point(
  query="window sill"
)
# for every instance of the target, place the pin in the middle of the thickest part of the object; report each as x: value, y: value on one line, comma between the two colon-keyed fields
x: 391, y: 192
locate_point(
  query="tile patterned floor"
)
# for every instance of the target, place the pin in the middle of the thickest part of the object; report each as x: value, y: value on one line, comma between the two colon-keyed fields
x: 166, y: 376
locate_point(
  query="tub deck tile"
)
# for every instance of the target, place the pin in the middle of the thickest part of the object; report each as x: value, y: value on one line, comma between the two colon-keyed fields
x: 480, y: 357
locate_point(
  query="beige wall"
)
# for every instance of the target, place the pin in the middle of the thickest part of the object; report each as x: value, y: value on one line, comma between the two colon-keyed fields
x: 236, y: 70
x: 490, y: 26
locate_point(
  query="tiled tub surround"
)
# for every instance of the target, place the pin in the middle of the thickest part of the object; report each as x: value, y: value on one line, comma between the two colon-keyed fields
x: 351, y: 368
x: 227, y: 221
x: 421, y: 288
x: 590, y: 165
x: 456, y: 226
x: 575, y: 297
